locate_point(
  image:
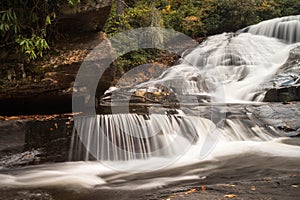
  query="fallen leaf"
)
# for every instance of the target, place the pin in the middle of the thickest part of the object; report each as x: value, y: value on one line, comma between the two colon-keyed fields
x: 170, y: 197
x: 13, y: 118
x: 193, y: 190
x: 267, y: 179
x: 230, y: 195
x: 295, y: 186
x: 203, y: 188
x: 253, y: 188
x: 56, y: 125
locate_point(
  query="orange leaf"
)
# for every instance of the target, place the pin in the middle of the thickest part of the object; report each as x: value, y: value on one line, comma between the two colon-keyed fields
x: 230, y: 196
x: 267, y: 179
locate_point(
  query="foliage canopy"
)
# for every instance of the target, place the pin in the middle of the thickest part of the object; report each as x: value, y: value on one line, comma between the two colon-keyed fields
x: 28, y: 26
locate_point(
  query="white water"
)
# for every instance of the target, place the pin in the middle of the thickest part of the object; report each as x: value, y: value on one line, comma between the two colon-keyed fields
x: 227, y: 67
x: 266, y: 155
x: 285, y: 28
x: 130, y: 136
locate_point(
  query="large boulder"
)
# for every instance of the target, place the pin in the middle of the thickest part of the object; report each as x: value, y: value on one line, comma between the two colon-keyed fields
x: 88, y: 16
x: 285, y: 86
x: 283, y: 94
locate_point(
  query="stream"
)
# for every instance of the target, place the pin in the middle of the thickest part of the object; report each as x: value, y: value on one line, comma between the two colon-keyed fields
x: 224, y: 132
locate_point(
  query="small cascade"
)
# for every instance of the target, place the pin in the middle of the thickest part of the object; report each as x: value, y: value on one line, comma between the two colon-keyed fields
x: 285, y: 28
x: 133, y: 136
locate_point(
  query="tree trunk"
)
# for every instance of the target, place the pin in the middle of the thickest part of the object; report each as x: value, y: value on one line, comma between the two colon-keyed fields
x: 120, y: 7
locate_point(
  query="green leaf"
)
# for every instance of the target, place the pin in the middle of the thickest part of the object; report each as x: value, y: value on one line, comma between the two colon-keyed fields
x: 22, y: 42
x: 14, y: 14
x: 4, y: 16
x: 15, y: 29
x: 48, y: 20
x: 6, y: 27
x: 9, y: 15
x: 54, y: 15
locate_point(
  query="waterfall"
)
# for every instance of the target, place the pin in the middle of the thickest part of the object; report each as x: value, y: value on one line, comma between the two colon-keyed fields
x: 132, y: 136
x: 226, y: 68
x: 285, y: 28
x: 213, y: 135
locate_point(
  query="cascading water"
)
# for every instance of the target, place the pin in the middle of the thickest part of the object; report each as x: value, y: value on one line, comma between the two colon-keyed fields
x: 203, y: 137
x: 227, y: 68
x: 131, y: 136
x: 285, y: 28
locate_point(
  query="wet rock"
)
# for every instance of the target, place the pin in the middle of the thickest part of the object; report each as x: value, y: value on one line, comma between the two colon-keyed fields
x: 11, y: 136
x: 285, y: 86
x: 283, y: 117
x: 20, y: 159
x: 35, y: 141
x: 286, y: 128
x: 284, y: 94
x: 51, y: 136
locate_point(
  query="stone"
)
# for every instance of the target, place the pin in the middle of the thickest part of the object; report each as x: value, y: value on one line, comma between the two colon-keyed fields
x: 283, y: 94
x: 88, y: 16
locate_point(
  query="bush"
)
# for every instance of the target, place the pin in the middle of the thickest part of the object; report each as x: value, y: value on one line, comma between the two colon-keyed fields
x: 194, y: 18
x: 201, y: 18
x: 24, y: 25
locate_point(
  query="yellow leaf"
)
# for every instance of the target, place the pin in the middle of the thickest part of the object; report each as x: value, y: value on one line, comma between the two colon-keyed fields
x: 191, y: 18
x: 230, y: 196
x: 253, y: 188
x: 268, y: 179
x: 168, y: 8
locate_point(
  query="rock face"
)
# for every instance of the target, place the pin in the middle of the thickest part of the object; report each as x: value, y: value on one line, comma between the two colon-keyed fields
x: 88, y: 16
x: 286, y: 83
x: 283, y: 94
x: 20, y: 145
x: 81, y: 26
x: 53, y: 94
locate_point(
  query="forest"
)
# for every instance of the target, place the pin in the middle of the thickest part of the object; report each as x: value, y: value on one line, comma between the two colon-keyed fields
x: 29, y: 28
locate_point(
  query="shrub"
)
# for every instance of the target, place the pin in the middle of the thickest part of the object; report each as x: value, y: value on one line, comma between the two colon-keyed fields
x: 24, y: 25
